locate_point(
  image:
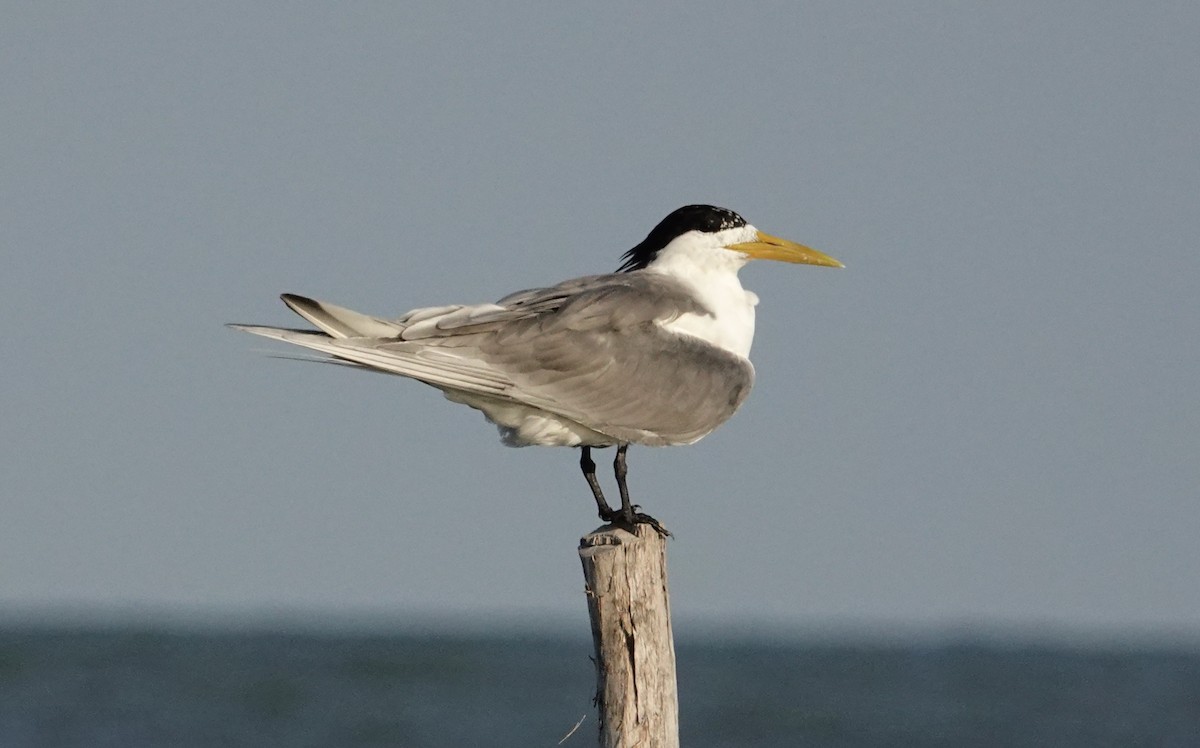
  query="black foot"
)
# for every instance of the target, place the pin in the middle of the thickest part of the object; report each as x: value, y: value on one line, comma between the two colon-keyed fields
x: 618, y: 517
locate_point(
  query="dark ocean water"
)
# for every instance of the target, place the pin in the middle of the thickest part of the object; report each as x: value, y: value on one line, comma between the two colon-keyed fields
x: 143, y: 688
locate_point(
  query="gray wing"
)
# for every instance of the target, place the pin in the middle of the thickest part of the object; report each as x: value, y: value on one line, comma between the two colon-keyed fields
x: 592, y: 350
x: 603, y: 359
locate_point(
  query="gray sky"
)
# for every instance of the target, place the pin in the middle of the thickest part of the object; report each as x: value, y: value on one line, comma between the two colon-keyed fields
x: 990, y: 417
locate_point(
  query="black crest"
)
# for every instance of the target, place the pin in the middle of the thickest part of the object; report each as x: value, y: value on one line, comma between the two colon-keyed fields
x: 706, y: 218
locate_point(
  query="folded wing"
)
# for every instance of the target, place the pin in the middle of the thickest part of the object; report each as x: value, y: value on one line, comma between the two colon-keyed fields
x: 592, y: 351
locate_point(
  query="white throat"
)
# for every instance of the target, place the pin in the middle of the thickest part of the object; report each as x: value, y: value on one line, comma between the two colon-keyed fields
x: 702, y: 262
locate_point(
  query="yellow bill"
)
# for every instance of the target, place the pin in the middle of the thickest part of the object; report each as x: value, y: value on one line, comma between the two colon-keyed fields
x: 767, y: 247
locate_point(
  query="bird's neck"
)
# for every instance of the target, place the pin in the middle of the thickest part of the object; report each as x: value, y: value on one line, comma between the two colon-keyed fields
x: 713, y: 280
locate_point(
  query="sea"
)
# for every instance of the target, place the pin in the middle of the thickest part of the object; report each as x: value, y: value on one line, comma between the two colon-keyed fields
x: 129, y: 686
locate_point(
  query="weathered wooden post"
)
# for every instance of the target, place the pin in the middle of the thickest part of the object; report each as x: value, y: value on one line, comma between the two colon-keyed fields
x: 626, y: 576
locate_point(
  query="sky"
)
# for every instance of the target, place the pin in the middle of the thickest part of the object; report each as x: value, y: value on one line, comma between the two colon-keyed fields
x: 990, y: 418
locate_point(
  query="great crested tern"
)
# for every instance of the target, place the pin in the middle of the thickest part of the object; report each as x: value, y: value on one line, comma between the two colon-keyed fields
x: 655, y: 353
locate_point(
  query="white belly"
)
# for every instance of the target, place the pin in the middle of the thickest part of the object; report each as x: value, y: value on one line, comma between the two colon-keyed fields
x: 525, y: 426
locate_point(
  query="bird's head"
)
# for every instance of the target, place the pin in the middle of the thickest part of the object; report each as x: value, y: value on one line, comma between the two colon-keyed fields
x: 707, y: 228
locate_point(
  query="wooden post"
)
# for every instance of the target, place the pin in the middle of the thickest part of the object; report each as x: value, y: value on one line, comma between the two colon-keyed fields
x: 626, y: 576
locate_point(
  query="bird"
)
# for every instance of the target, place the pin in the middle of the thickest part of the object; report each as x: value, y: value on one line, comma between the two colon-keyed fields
x: 655, y: 353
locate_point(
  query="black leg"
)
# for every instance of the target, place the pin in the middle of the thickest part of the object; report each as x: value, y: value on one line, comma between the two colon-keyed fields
x: 589, y: 474
x: 621, y: 470
x: 629, y: 511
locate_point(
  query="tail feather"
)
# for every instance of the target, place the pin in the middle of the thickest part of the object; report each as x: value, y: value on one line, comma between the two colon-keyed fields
x: 339, y: 322
x: 441, y: 371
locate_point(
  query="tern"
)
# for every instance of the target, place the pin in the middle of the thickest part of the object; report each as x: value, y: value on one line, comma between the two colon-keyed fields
x: 656, y: 353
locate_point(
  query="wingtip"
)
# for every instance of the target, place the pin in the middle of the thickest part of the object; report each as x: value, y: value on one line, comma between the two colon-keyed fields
x: 293, y: 299
x: 244, y: 327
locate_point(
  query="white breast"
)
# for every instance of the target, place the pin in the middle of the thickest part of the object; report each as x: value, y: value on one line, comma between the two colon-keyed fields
x: 731, y: 326
x: 711, y: 274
